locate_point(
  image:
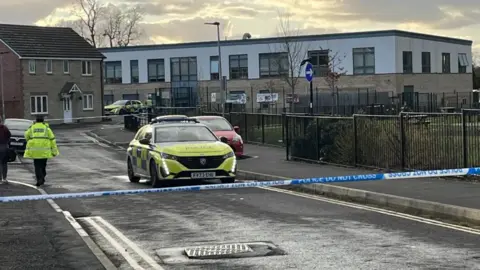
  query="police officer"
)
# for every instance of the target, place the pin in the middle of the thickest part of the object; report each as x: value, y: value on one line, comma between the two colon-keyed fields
x: 41, y: 145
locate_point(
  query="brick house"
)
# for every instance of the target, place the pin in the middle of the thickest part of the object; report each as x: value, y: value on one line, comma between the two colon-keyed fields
x: 50, y: 71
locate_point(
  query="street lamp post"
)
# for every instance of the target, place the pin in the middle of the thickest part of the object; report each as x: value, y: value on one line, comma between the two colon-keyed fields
x: 222, y: 91
x: 2, y: 84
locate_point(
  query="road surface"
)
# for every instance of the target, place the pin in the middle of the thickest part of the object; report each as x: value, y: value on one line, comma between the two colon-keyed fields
x: 151, y: 231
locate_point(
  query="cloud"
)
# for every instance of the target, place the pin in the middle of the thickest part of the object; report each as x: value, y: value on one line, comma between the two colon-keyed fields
x: 28, y: 11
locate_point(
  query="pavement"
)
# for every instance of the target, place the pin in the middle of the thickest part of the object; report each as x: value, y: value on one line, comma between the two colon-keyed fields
x: 34, y: 236
x: 151, y: 230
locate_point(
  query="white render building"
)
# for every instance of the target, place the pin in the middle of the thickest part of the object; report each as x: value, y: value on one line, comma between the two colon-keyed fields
x: 390, y: 61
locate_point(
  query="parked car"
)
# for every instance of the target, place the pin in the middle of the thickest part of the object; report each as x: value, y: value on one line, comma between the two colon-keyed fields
x: 18, y: 127
x: 222, y: 128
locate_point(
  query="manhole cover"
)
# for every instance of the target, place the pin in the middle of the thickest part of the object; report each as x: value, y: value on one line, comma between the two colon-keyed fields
x: 216, y: 250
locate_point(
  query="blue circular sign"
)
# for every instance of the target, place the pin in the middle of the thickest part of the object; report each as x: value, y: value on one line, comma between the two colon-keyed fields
x: 309, y: 72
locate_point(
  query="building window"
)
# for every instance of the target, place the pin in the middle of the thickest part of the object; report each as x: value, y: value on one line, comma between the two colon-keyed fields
x: 66, y: 66
x: 320, y: 62
x: 238, y: 66
x: 86, y: 68
x: 462, y: 63
x: 156, y: 70
x: 407, y: 62
x: 108, y: 99
x: 446, y: 63
x: 39, y: 104
x: 134, y: 77
x: 273, y: 64
x: 214, y: 72
x: 49, y: 66
x: 87, y: 102
x: 184, y: 69
x: 32, y: 67
x: 426, y: 62
x: 113, y: 72
x: 364, y: 60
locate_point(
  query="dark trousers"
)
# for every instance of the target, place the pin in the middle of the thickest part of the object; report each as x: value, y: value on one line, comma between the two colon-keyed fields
x: 40, y: 169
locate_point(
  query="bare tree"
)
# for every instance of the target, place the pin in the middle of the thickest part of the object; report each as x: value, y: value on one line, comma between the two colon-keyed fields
x: 334, y: 70
x: 90, y: 14
x: 122, y: 27
x: 291, y: 53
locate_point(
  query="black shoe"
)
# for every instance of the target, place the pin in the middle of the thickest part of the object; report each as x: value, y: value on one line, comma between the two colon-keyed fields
x: 38, y: 184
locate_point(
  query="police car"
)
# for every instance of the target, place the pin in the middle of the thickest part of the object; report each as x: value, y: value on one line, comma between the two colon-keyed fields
x: 179, y: 149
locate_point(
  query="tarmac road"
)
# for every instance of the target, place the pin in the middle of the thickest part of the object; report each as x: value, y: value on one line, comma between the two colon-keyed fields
x: 149, y: 231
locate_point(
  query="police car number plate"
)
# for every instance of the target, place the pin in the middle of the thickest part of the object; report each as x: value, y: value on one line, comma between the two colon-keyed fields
x: 203, y: 175
x: 16, y: 143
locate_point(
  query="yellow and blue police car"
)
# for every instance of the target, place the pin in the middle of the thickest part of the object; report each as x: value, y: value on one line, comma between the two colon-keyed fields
x: 172, y: 150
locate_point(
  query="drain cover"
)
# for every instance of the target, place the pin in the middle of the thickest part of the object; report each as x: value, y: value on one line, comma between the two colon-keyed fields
x: 203, y: 252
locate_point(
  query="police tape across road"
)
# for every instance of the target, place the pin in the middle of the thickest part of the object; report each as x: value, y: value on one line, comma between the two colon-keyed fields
x: 320, y: 180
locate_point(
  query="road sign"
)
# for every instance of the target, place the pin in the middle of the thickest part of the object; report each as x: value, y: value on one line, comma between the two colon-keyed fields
x: 309, y: 72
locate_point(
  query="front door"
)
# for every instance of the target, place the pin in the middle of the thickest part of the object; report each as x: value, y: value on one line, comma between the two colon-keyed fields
x: 67, y: 110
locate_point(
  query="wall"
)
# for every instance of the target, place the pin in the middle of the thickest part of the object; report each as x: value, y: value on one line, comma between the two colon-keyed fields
x: 12, y: 83
x: 51, y: 85
x: 384, y: 60
x: 436, y: 48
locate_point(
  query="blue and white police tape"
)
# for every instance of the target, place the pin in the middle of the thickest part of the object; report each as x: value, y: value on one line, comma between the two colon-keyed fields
x: 320, y: 180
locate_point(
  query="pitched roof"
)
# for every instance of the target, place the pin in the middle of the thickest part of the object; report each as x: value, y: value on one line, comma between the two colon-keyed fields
x: 47, y: 42
x: 69, y: 87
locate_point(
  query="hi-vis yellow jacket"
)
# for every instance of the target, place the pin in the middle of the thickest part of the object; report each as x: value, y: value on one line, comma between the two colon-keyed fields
x: 41, y: 142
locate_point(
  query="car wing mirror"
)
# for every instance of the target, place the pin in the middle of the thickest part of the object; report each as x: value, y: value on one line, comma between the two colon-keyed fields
x: 144, y: 141
x: 224, y: 140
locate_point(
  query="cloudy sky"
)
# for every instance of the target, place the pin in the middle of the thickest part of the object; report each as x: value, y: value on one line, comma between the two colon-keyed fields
x: 168, y: 21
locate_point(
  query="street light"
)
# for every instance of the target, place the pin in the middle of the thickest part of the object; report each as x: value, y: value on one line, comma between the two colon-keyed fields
x: 1, y: 87
x: 220, y: 77
x: 305, y: 61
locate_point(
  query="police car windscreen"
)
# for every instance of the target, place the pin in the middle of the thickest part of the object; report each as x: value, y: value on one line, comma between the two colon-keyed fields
x: 120, y: 102
x: 217, y: 124
x: 183, y: 134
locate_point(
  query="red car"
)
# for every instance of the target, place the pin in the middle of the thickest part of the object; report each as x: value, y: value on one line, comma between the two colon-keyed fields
x: 222, y: 128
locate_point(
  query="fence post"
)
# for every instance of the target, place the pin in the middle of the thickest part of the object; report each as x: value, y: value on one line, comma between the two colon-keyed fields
x: 245, y: 127
x: 317, y: 131
x: 355, y: 141
x: 402, y: 141
x: 287, y: 137
x: 464, y: 139
x: 263, y: 127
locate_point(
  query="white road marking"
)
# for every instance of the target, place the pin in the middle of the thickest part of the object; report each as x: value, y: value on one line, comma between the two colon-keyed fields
x: 130, y: 244
x: 53, y: 204
x: 378, y: 210
x: 86, y: 238
x: 115, y: 244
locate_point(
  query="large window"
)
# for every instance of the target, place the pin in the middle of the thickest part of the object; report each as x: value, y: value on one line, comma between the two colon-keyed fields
x: 156, y: 70
x: 462, y: 63
x: 39, y: 104
x: 214, y: 68
x: 238, y: 66
x: 320, y: 62
x: 134, y: 71
x: 407, y: 62
x: 364, y: 60
x: 446, y: 63
x: 426, y: 62
x: 113, y: 72
x: 184, y: 69
x: 273, y: 64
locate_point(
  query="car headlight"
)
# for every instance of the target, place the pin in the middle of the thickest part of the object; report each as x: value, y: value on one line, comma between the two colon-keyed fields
x: 167, y: 156
x: 237, y: 138
x: 229, y: 155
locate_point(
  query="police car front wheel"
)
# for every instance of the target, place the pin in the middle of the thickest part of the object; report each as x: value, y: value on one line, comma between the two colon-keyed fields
x: 131, y: 175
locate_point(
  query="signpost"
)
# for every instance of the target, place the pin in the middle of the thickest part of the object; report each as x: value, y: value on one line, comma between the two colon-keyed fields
x: 309, y: 77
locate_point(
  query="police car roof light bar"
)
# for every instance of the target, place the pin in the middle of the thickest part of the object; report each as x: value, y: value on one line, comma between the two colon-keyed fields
x: 175, y: 119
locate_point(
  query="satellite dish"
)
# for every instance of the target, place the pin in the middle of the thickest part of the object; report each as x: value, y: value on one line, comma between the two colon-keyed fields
x: 247, y: 36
